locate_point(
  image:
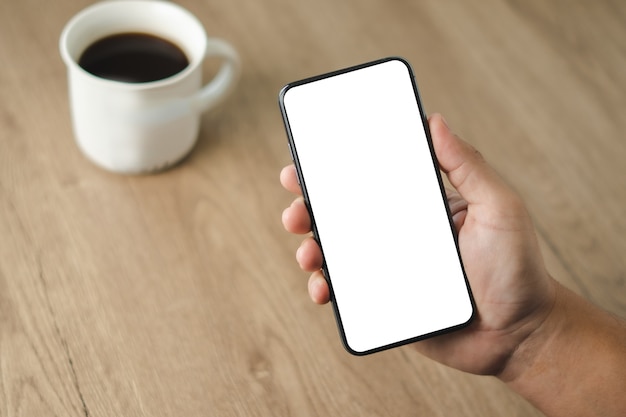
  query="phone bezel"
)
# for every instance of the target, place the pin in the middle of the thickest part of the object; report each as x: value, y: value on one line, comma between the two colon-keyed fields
x: 302, y: 182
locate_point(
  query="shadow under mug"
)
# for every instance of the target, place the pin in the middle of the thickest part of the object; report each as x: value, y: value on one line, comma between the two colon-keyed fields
x: 142, y: 127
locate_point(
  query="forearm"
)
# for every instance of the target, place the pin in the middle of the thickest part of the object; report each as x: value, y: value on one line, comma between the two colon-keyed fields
x: 574, y: 364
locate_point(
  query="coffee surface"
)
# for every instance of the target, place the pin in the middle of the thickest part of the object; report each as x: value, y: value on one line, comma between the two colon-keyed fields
x: 133, y: 58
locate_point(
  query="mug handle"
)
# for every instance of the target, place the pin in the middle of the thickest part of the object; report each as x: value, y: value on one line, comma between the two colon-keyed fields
x: 213, y: 92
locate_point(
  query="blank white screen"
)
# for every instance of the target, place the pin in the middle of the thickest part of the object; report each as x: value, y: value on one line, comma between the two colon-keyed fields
x: 377, y: 205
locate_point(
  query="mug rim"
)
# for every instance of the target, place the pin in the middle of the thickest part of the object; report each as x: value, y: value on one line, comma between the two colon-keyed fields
x: 71, y: 60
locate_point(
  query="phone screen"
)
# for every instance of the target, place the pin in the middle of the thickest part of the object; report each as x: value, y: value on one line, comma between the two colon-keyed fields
x: 362, y: 150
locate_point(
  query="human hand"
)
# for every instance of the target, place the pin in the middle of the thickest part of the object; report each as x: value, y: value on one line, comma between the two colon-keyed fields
x: 511, y: 287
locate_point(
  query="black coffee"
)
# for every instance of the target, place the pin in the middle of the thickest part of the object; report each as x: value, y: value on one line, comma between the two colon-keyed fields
x: 133, y: 58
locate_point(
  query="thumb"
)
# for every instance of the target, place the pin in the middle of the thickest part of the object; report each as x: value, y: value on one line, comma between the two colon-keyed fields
x: 465, y: 167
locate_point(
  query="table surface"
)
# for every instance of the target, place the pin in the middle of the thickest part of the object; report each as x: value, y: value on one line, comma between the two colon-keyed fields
x: 177, y: 294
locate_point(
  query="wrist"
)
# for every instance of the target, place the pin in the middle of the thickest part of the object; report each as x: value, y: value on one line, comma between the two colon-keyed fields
x: 574, y: 362
x: 527, y: 352
x: 544, y: 326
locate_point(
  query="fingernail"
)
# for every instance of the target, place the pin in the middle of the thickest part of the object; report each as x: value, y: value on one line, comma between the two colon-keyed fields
x: 445, y: 123
x: 298, y: 252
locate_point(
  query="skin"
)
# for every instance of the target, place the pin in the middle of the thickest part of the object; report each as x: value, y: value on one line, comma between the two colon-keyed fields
x: 526, y: 321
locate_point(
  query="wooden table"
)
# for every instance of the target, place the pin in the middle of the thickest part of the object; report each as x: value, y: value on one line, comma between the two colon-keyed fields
x: 178, y: 294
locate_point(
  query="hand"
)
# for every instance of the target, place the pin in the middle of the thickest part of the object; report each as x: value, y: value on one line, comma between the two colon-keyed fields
x: 512, y: 289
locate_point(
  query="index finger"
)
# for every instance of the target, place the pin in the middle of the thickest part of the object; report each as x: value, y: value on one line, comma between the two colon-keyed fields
x: 289, y: 179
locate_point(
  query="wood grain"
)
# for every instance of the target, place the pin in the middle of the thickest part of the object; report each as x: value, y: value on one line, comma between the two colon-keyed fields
x: 178, y: 294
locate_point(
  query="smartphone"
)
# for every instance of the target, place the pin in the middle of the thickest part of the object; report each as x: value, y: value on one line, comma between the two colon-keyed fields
x: 360, y: 142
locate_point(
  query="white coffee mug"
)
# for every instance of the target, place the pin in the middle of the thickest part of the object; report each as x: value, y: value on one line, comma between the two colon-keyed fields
x: 142, y: 127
